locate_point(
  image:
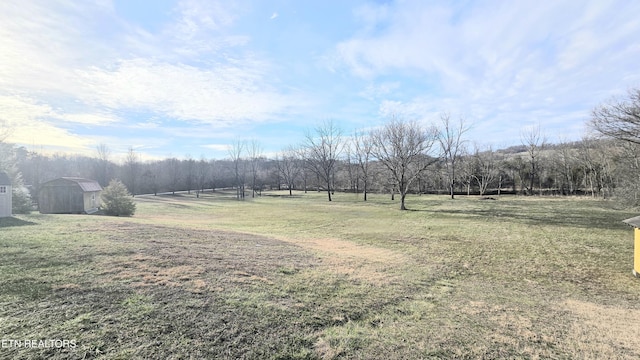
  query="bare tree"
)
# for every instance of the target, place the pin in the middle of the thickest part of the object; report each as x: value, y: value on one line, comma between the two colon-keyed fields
x: 322, y: 150
x: 628, y: 173
x: 452, y: 146
x: 517, y: 169
x: 289, y: 167
x: 236, y: 151
x: 363, y: 152
x: 485, y: 168
x: 351, y: 168
x: 132, y: 164
x: 150, y: 177
x: 403, y: 147
x: 202, y: 173
x: 533, y: 139
x: 303, y: 164
x: 213, y: 176
x: 173, y: 167
x: 467, y: 172
x: 5, y: 130
x: 619, y: 118
x: 103, y: 165
x: 595, y: 160
x: 189, y: 172
x: 255, y: 157
x: 567, y: 168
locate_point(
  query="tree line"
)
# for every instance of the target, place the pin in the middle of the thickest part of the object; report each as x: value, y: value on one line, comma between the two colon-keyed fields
x: 398, y: 158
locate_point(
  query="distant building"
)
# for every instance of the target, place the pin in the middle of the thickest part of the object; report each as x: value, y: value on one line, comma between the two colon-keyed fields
x: 69, y: 195
x: 5, y: 195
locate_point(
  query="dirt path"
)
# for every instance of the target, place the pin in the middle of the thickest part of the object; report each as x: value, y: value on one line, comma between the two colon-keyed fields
x: 361, y: 262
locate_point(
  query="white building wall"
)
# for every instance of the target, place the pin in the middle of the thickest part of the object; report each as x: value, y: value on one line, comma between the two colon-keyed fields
x: 5, y: 201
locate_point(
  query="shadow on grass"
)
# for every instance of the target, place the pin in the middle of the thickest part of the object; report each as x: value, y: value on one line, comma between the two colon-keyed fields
x: 570, y: 214
x: 287, y: 196
x: 580, y: 218
x: 217, y: 195
x: 12, y: 221
x: 181, y: 200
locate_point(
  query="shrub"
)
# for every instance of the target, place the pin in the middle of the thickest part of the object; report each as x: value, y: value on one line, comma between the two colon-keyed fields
x: 21, y: 200
x: 116, y: 200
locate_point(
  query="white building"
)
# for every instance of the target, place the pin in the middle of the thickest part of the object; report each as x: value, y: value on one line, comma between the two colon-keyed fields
x: 5, y: 195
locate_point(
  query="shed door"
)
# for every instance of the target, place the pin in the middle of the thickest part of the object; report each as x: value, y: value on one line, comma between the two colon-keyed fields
x: 67, y: 202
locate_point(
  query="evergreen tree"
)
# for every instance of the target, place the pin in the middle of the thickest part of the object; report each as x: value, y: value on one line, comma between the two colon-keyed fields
x: 117, y: 201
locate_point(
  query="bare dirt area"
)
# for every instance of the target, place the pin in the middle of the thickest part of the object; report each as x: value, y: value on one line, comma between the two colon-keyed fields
x: 360, y: 262
x: 188, y: 258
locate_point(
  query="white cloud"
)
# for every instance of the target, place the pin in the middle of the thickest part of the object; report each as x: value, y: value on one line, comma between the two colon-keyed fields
x: 199, y: 16
x: 94, y: 119
x: 42, y: 44
x: 273, y: 16
x: 200, y: 28
x: 508, y: 62
x: 493, y: 42
x: 224, y: 94
x: 217, y: 147
x: 375, y: 91
x: 67, y: 64
x: 34, y: 124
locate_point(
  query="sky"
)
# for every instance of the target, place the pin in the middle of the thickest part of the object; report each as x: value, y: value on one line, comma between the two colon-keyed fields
x: 190, y: 77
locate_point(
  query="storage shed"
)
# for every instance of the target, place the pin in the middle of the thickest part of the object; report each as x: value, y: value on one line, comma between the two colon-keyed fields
x: 69, y: 195
x: 5, y: 195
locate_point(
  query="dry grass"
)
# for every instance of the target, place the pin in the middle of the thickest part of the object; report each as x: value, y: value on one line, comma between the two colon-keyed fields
x: 299, y: 277
x: 357, y: 261
x: 600, y: 331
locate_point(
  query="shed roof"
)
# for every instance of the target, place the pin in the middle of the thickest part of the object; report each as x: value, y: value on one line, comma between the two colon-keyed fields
x: 4, y: 178
x: 87, y: 185
x: 634, y: 221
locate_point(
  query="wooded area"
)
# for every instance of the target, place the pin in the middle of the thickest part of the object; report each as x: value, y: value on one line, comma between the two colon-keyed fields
x: 400, y: 157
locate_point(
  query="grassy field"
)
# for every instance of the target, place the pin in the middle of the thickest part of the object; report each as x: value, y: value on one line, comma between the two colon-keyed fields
x: 301, y: 278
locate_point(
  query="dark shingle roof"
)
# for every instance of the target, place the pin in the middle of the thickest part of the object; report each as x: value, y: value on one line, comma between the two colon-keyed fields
x: 85, y: 184
x: 4, y: 178
x: 634, y: 221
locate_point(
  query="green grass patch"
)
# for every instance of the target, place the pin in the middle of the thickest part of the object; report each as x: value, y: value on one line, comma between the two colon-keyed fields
x: 282, y: 277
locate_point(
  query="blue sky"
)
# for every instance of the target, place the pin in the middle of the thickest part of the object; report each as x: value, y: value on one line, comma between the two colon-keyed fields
x: 172, y: 78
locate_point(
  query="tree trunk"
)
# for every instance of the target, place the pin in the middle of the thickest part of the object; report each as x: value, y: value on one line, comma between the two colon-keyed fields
x: 540, y: 187
x: 365, y: 190
x: 452, y: 185
x: 402, y: 196
x: 533, y: 175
